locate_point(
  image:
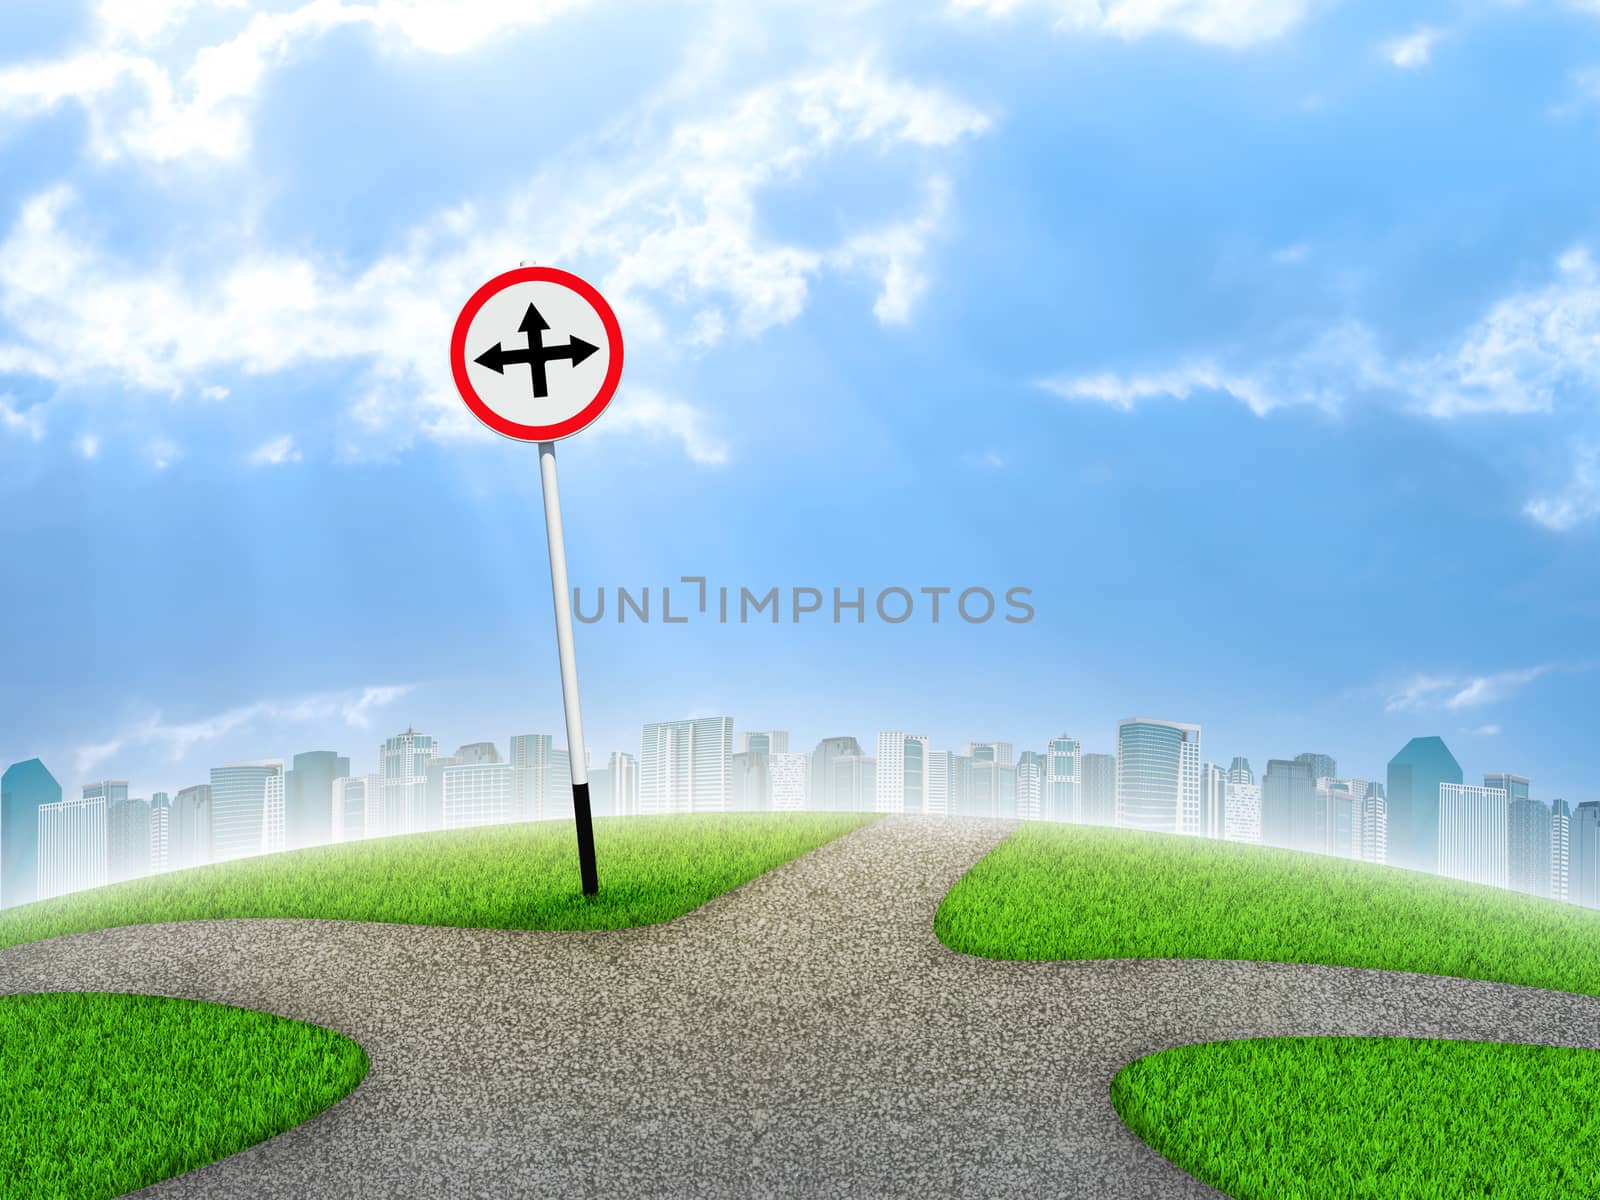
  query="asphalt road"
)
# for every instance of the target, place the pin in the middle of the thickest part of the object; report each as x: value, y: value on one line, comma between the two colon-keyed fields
x: 803, y: 1035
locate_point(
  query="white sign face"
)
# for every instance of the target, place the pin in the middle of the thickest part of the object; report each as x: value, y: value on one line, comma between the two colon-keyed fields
x: 536, y: 354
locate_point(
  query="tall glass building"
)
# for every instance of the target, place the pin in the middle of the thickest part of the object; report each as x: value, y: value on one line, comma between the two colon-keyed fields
x: 1158, y: 775
x: 308, y: 798
x: 1062, y: 779
x: 902, y: 782
x: 240, y: 793
x: 189, y: 835
x: 25, y: 788
x: 686, y: 766
x: 829, y: 750
x: 1472, y: 833
x: 1415, y: 774
x: 1289, y: 807
x: 403, y: 767
x: 1583, y: 875
x: 1098, y: 800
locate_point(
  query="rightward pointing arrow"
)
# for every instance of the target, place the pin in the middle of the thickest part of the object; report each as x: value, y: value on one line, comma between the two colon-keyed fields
x: 537, y: 354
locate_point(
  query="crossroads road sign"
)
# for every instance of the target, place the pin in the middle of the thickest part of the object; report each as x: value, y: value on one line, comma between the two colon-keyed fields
x: 536, y: 354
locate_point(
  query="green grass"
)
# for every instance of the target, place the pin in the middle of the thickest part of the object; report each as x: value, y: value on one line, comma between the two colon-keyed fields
x: 1289, y: 1118
x: 1079, y: 892
x: 101, y: 1094
x: 522, y: 876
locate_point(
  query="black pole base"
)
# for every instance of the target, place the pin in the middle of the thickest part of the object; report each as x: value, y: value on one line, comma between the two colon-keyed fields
x: 585, y: 822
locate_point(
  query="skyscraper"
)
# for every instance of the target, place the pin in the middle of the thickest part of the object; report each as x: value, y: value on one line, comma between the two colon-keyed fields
x: 822, y: 774
x: 1239, y: 770
x: 189, y: 837
x: 686, y: 766
x: 127, y: 830
x: 403, y: 766
x: 1583, y: 877
x: 789, y: 779
x: 1213, y: 801
x: 902, y: 785
x: 479, y: 752
x: 1158, y: 775
x: 1098, y: 805
x: 1371, y: 820
x: 749, y: 780
x: 239, y: 807
x: 1472, y: 833
x: 622, y: 774
x: 1030, y: 776
x: 939, y: 783
x: 308, y: 797
x: 72, y: 845
x: 160, y: 832
x: 349, y: 823
x: 1560, y: 849
x: 1243, y: 820
x: 25, y: 788
x: 1527, y: 835
x: 1289, y: 807
x: 1415, y: 774
x: 1062, y: 779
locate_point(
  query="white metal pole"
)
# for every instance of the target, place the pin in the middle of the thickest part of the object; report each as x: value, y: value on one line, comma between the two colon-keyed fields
x: 569, y: 663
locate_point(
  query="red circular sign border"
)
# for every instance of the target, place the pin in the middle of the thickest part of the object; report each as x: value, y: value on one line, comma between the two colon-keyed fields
x: 536, y: 433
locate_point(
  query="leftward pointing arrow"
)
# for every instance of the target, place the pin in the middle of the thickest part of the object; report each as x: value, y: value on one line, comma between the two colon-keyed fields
x: 537, y: 354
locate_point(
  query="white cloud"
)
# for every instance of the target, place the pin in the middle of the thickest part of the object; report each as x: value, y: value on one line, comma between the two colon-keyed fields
x: 201, y: 102
x: 639, y: 409
x: 1532, y: 352
x: 355, y: 709
x: 1233, y: 23
x: 1487, y: 731
x: 88, y: 445
x: 1413, y: 50
x: 163, y: 452
x: 665, y: 227
x: 276, y: 452
x: 213, y: 393
x: 1454, y: 693
x: 26, y: 422
x: 1578, y: 501
x: 1343, y: 358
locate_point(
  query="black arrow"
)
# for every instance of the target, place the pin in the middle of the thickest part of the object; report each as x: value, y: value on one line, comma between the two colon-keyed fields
x: 537, y: 354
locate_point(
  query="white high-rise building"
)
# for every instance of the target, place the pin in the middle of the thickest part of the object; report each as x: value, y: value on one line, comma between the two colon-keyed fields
x: 1242, y: 822
x: 403, y: 767
x: 1063, y: 775
x: 1473, y: 833
x: 239, y: 807
x: 941, y: 770
x: 160, y: 831
x: 902, y: 782
x: 72, y: 846
x: 1370, y: 821
x: 349, y: 817
x: 1560, y: 833
x: 622, y: 782
x: 1213, y: 801
x: 477, y: 794
x: 686, y: 766
x: 1158, y: 776
x: 789, y: 776
x: 275, y: 812
x: 1030, y: 786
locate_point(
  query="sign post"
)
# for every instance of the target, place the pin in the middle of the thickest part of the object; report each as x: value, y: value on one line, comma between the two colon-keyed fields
x: 565, y: 386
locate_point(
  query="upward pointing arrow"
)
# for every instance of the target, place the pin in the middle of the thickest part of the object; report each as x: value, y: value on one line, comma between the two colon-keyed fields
x: 537, y: 354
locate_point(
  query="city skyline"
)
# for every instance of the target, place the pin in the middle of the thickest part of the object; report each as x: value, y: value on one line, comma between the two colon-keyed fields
x: 1160, y: 779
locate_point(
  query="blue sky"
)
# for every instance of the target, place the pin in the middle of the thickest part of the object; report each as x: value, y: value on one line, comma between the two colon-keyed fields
x: 1260, y: 340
